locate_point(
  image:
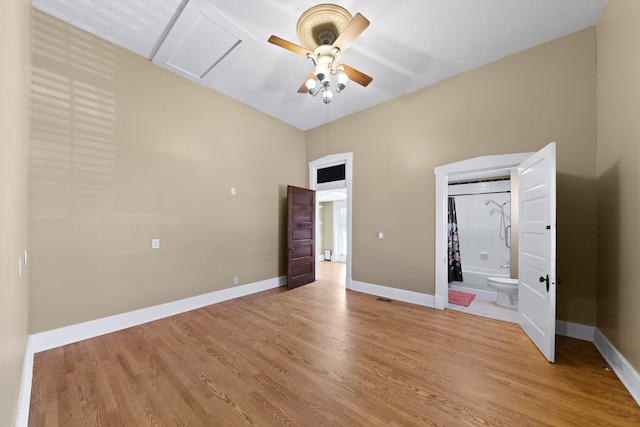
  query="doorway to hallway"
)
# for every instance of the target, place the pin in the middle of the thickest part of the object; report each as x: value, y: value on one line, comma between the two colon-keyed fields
x: 331, y: 233
x: 332, y: 271
x: 340, y: 184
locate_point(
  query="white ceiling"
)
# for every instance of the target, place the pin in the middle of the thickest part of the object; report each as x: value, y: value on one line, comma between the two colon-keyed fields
x: 408, y: 46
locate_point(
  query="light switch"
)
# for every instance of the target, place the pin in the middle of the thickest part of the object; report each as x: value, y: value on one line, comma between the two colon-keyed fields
x: 233, y: 191
x: 380, y: 236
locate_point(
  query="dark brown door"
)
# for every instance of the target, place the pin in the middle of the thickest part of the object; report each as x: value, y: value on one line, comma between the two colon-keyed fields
x: 301, y: 232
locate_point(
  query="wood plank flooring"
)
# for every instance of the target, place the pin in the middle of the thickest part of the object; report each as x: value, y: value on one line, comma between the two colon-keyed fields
x: 319, y: 356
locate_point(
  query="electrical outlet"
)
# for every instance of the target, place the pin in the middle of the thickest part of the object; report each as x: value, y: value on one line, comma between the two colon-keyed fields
x: 235, y: 280
x: 155, y: 243
x: 380, y: 236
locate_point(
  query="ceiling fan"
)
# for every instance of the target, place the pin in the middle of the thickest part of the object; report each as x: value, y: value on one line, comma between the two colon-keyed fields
x: 325, y: 32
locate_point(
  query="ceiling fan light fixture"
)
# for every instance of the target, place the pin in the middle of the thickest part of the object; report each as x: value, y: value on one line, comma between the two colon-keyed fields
x: 311, y: 86
x: 328, y: 94
x: 326, y: 31
x: 343, y: 78
x: 321, y: 24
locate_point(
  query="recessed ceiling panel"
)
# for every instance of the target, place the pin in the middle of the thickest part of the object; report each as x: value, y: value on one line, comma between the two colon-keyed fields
x: 135, y: 25
x: 202, y: 43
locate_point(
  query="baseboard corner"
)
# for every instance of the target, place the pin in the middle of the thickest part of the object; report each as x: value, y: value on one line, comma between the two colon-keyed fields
x: 394, y: 293
x: 66, y: 335
x: 24, y: 399
x: 623, y: 369
x: 575, y: 330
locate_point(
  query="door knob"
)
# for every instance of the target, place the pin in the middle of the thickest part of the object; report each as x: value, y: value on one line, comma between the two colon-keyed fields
x: 545, y: 279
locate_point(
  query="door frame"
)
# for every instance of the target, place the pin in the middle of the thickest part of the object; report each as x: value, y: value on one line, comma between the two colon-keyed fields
x: 323, y: 162
x: 476, y: 168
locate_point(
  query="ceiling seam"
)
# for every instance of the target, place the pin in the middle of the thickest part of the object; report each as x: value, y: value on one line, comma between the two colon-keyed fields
x: 167, y: 29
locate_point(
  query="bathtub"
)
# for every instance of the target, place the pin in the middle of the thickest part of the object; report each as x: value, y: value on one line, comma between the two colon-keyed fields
x: 476, y: 277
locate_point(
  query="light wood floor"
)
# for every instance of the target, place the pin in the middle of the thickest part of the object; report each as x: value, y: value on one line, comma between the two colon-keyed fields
x: 317, y: 356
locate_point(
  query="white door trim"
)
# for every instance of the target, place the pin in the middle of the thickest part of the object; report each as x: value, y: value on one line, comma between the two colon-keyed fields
x: 476, y: 168
x: 332, y: 160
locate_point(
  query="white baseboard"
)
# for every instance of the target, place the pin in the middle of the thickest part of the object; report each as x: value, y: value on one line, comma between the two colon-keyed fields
x: 575, y: 330
x: 623, y: 369
x: 74, y: 333
x: 69, y: 334
x: 24, y: 399
x: 393, y: 293
x: 441, y: 302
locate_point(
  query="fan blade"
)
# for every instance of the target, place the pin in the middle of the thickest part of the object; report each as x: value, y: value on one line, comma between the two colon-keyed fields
x: 357, y: 25
x: 289, y: 46
x: 303, y: 88
x: 357, y: 76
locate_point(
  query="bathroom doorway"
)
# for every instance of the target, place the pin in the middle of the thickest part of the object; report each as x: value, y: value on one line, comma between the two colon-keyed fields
x: 480, y: 211
x: 537, y: 235
x: 467, y: 170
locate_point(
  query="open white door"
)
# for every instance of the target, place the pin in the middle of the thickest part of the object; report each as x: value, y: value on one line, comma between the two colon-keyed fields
x: 537, y: 250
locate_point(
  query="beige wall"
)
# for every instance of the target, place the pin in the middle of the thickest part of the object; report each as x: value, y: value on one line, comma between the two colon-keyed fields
x: 618, y: 179
x: 123, y: 151
x: 14, y: 120
x: 518, y: 104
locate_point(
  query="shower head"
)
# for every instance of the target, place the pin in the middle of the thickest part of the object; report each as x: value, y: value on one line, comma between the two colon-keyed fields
x: 495, y: 203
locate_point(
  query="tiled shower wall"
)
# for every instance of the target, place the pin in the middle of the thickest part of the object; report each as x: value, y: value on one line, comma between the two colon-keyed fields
x: 479, y: 223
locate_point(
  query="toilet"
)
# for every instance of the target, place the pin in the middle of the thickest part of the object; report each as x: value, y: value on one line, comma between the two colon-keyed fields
x: 507, y: 290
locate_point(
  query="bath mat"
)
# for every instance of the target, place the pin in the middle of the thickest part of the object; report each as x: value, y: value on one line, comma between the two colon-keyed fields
x: 460, y: 298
